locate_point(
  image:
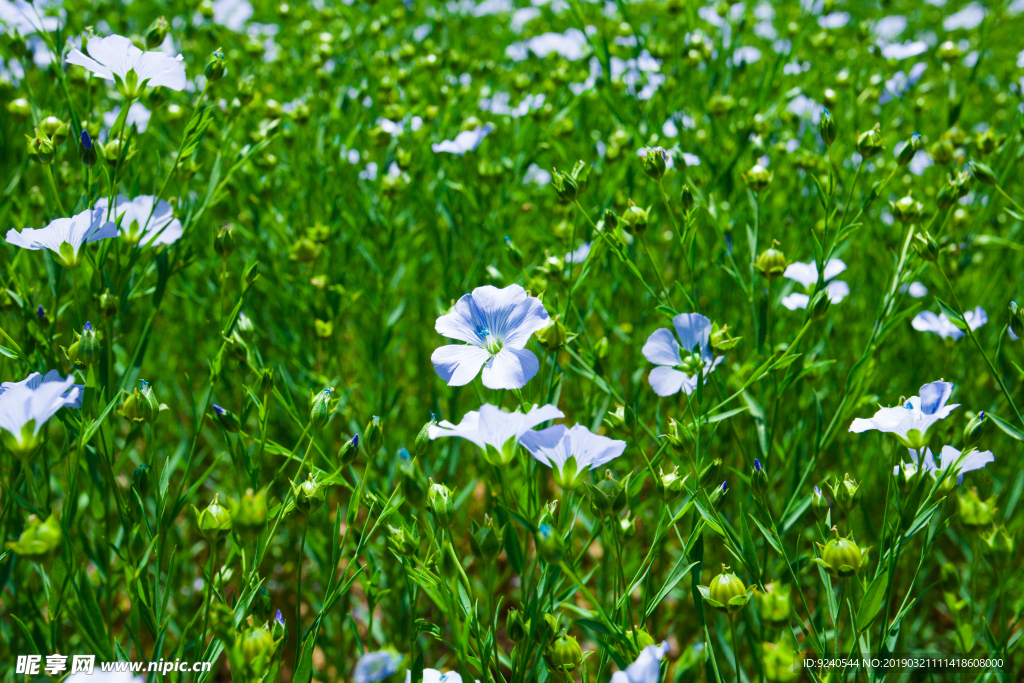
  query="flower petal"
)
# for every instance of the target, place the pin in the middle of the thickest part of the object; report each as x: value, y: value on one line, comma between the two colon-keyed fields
x: 458, y: 364
x: 78, y: 58
x: 837, y: 290
x: 833, y: 268
x: 693, y: 329
x: 161, y: 70
x: 662, y: 348
x: 667, y: 381
x: 804, y: 273
x: 796, y: 301
x: 934, y: 396
x: 510, y: 369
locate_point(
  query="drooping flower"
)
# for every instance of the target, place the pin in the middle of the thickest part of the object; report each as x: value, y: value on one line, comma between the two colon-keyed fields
x: 674, y: 372
x: 494, y: 431
x: 940, y: 324
x: 145, y: 220
x: 949, y: 457
x: 376, y: 666
x: 496, y: 324
x: 65, y: 236
x: 807, y: 275
x: 466, y: 141
x: 910, y: 422
x: 570, y: 453
x: 26, y: 405
x: 115, y: 58
x: 646, y: 668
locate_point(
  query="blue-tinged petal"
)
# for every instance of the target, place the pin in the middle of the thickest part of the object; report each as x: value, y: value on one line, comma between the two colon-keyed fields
x: 510, y: 369
x: 976, y: 318
x: 804, y: 273
x: 934, y: 396
x: 667, y: 381
x: 549, y: 446
x: 458, y: 364
x: 662, y: 348
x: 838, y: 290
x: 796, y: 301
x: 693, y: 329
x: 833, y: 268
x: 461, y: 323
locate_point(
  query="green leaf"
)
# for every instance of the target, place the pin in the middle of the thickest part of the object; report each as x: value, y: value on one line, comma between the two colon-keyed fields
x: 595, y: 626
x: 195, y: 130
x: 872, y: 601
x: 953, y: 316
x: 1007, y: 427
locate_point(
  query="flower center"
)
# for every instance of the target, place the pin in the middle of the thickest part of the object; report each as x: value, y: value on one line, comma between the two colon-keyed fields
x: 691, y: 364
x: 491, y: 342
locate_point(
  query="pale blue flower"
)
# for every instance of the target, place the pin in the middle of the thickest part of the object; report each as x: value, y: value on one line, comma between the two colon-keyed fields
x: 949, y: 458
x: 435, y: 676
x: 940, y: 324
x: 114, y: 56
x: 646, y: 668
x: 570, y: 453
x: 911, y: 422
x: 466, y: 141
x: 679, y: 367
x: 145, y: 220
x: 26, y: 405
x: 88, y: 226
x: 376, y: 666
x: 807, y: 275
x: 496, y: 324
x: 494, y: 431
x: 578, y: 256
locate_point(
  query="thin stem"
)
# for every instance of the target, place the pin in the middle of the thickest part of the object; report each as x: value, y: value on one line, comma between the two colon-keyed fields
x: 53, y: 187
x: 209, y: 590
x: 298, y: 600
x: 1010, y: 199
x: 657, y: 270
x: 735, y: 651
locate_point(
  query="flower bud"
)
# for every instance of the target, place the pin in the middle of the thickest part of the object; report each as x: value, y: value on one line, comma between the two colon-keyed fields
x: 309, y: 495
x: 819, y: 505
x: 224, y: 241
x: 634, y: 219
x: 227, y: 419
x: 974, y: 429
x: 86, y: 348
x: 908, y: 149
x: 775, y: 605
x: 999, y: 548
x: 869, y: 143
x: 117, y: 152
x: 565, y: 654
x: 638, y: 639
x: 140, y: 480
x: 608, y: 497
x: 759, y: 481
x: 40, y: 149
x: 627, y: 525
x: 726, y: 592
x: 515, y: 257
x: 86, y: 150
x: 156, y: 32
x: 246, y: 89
x: 982, y: 172
x: 550, y: 545
x: 757, y: 178
x: 827, y: 128
x: 926, y: 246
x: 320, y: 409
x: 265, y: 381
x: 402, y: 541
x: 441, y: 504
x: 709, y: 474
x: 846, y: 493
x: 906, y: 475
x: 841, y: 557
x: 565, y: 186
x: 771, y: 263
x: 975, y: 513
x: 55, y: 129
x: 373, y: 436
x: 515, y: 628
x: 622, y: 421
x: 249, y: 517
x: 554, y: 335
x: 257, y: 647
x: 1016, y: 319
x: 214, y: 521
x: 39, y: 541
x: 686, y: 198
x: 215, y: 66
x: 611, y: 221
x: 907, y: 209
x: 487, y: 541
x: 669, y: 485
x: 819, y: 304
x: 655, y: 162
x: 721, y: 339
x: 141, y: 406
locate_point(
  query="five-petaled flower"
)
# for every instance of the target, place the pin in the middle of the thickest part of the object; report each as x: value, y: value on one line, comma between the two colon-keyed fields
x: 807, y: 275
x: 145, y: 220
x: 949, y: 457
x: 646, y: 668
x: 496, y: 324
x: 571, y: 453
x: 26, y: 405
x: 940, y: 324
x: 115, y: 58
x: 65, y: 236
x: 910, y: 422
x: 679, y: 367
x: 494, y: 431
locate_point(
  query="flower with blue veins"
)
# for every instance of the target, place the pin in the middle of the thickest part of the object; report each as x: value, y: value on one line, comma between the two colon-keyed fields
x: 571, y: 453
x: 646, y: 668
x: 681, y: 362
x: 147, y: 221
x: 26, y: 405
x: 495, y: 325
x: 494, y: 431
x: 952, y: 461
x: 807, y: 275
x: 65, y: 236
x: 376, y: 666
x: 911, y: 422
x: 940, y: 324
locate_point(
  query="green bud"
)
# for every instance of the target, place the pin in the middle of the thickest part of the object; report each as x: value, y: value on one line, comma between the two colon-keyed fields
x: 565, y: 186
x: 228, y: 421
x: 515, y: 257
x: 373, y: 436
x: 999, y: 548
x: 156, y: 32
x: 402, y: 541
x: 627, y: 525
x: 140, y: 480
x: 686, y: 198
x: 87, y: 153
x: 246, y: 89
x: 487, y: 541
x: 117, y: 152
x: 40, y: 149
x: 655, y: 162
x: 55, y: 129
x: 908, y: 150
x: 975, y: 513
x: 547, y: 628
x: 224, y: 241
x: 309, y: 495
x: 279, y: 628
x: 86, y: 348
x: 819, y: 305
x: 441, y: 504
x: 974, y: 429
x: 726, y: 592
x: 141, y: 406
x: 39, y: 541
x: 906, y: 475
x: 249, y: 517
x: 846, y: 493
x: 265, y: 381
x: 670, y: 485
x: 608, y: 497
x: 907, y: 209
x: 772, y: 262
x: 215, y: 66
x: 622, y: 421
x: 819, y: 505
x: 982, y: 172
x: 827, y: 128
x: 257, y: 648
x: 869, y: 143
x: 214, y: 521
x: 564, y: 654
x: 515, y: 628
x: 775, y: 605
x: 709, y: 474
x: 759, y: 481
x: 926, y: 246
x: 634, y: 219
x: 721, y: 339
x: 550, y: 545
x: 320, y: 408
x: 554, y: 335
x: 757, y: 178
x: 841, y: 557
x: 611, y: 221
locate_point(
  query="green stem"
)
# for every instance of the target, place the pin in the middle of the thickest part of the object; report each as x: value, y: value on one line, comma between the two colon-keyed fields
x: 209, y: 591
x: 735, y: 651
x: 657, y: 270
x: 298, y: 600
x: 53, y: 187
x: 1010, y: 199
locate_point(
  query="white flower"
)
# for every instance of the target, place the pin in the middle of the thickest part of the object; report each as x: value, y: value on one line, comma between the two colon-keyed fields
x: 138, y: 116
x: 65, y: 236
x: 570, y: 453
x: 949, y: 458
x: 807, y: 275
x: 910, y: 422
x: 914, y: 289
x: 579, y: 255
x: 496, y: 324
x: 435, y: 676
x: 145, y: 220
x: 232, y: 14
x: 115, y: 58
x: 675, y: 372
x: 646, y: 668
x: 926, y: 321
x: 26, y: 18
x: 969, y: 18
x: 26, y: 405
x: 466, y: 141
x: 376, y: 666
x: 494, y: 431
x: 904, y: 51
